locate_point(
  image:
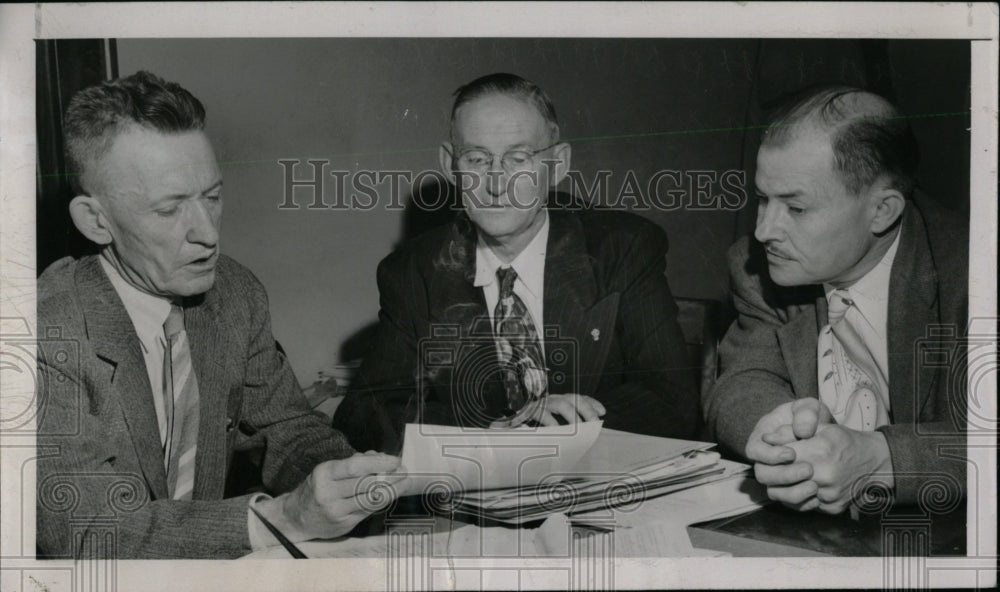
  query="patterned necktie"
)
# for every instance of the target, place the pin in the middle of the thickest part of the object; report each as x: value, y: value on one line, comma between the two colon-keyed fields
x: 850, y: 382
x: 519, y: 350
x: 180, y: 393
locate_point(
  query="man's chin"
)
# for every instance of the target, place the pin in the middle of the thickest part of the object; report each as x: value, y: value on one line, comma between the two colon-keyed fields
x: 195, y: 286
x: 785, y: 277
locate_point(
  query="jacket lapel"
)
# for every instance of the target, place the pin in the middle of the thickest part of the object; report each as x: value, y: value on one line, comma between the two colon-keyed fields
x: 113, y: 336
x: 913, y: 296
x: 574, y: 316
x: 798, y: 339
x: 207, y: 339
x: 458, y: 316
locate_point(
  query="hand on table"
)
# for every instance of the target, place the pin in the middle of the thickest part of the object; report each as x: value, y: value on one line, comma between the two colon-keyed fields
x: 572, y: 408
x: 335, y: 497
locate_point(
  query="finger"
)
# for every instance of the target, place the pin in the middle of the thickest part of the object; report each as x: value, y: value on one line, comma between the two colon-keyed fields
x: 360, y: 465
x: 782, y: 474
x: 564, y: 408
x: 807, y: 506
x: 760, y: 451
x: 830, y: 495
x: 547, y: 419
x: 587, y: 409
x: 596, y: 405
x: 780, y: 437
x: 834, y: 508
x: 793, y: 495
x: 805, y: 418
x: 373, y: 487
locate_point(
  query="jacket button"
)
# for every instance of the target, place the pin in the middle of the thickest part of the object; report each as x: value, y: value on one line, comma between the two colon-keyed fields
x: 229, y: 424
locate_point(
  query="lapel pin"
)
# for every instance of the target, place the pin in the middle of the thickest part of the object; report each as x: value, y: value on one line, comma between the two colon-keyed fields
x: 595, y: 334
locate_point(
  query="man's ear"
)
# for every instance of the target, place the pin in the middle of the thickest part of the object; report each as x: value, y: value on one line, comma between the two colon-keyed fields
x: 889, y: 205
x: 88, y: 216
x: 446, y: 161
x: 561, y: 153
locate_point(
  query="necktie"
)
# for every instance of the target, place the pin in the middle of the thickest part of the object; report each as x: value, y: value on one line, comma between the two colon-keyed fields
x: 850, y: 382
x: 180, y: 393
x: 519, y: 350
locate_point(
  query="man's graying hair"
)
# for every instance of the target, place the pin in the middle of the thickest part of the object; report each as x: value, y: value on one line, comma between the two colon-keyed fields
x: 869, y: 137
x: 510, y: 85
x: 96, y: 115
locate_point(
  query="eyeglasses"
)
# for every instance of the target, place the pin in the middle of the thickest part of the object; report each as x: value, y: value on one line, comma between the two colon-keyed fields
x: 512, y: 161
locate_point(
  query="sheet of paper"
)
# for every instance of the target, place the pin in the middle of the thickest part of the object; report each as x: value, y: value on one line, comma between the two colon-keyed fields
x: 618, y: 452
x: 733, y: 494
x: 457, y: 459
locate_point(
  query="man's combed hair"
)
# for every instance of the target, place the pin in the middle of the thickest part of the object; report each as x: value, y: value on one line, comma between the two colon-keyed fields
x: 869, y: 137
x: 99, y: 113
x: 510, y: 85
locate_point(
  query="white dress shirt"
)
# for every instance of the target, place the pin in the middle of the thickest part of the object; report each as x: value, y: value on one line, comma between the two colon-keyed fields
x: 529, y: 286
x: 148, y: 313
x: 869, y: 316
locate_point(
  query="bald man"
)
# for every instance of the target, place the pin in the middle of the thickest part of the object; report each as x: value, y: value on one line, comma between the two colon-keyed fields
x: 850, y: 279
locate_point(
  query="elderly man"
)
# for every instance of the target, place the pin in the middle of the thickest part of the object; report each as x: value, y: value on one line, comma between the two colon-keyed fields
x: 519, y: 313
x: 851, y: 278
x: 171, y: 365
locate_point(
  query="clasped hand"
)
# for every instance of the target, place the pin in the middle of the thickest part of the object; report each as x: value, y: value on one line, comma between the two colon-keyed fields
x: 808, y: 462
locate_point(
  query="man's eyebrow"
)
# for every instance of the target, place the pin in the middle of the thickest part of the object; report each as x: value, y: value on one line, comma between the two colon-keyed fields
x: 180, y: 196
x: 785, y: 195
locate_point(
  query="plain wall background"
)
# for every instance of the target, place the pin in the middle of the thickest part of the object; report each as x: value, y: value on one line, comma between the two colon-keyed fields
x: 637, y: 105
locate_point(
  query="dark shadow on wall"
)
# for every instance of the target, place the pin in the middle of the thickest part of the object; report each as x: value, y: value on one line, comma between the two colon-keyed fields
x: 62, y: 68
x: 433, y: 203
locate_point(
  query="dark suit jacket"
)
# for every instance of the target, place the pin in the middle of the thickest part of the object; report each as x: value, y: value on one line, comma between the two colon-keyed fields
x: 100, y: 467
x: 768, y: 356
x: 611, y: 319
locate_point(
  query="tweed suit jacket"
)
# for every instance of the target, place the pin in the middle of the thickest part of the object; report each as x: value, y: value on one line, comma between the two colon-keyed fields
x: 100, y: 468
x: 610, y: 323
x: 768, y: 356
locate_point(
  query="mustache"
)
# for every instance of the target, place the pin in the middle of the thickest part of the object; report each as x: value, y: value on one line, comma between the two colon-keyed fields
x: 777, y: 252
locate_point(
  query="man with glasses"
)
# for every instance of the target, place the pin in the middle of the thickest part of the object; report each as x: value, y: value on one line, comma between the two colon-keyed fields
x: 517, y: 313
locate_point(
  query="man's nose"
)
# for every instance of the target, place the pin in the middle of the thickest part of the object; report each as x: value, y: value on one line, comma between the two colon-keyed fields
x: 204, y: 224
x: 496, y: 178
x: 768, y: 228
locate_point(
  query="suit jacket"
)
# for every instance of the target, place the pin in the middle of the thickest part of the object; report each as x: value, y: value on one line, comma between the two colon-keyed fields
x: 610, y: 323
x: 100, y: 467
x: 768, y: 356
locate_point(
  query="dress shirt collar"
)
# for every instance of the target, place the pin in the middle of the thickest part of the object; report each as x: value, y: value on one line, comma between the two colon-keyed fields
x: 147, y: 312
x: 529, y: 263
x: 871, y: 293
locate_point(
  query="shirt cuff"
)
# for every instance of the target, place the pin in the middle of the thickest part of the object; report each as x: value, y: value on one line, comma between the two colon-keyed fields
x: 260, y: 536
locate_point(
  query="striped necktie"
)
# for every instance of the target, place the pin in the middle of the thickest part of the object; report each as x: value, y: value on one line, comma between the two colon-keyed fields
x: 180, y: 393
x: 519, y: 350
x: 851, y: 384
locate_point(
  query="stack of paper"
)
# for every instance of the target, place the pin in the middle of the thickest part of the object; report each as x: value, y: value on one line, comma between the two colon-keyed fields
x: 517, y: 476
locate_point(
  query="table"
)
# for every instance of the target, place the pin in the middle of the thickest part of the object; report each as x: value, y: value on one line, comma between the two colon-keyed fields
x: 670, y: 525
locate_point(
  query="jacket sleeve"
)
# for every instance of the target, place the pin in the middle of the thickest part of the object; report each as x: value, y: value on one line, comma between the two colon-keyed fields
x: 275, y: 416
x: 754, y: 378
x: 88, y: 507
x: 657, y: 394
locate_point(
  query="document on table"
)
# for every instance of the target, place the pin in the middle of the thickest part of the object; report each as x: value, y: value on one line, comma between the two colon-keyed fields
x: 461, y: 459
